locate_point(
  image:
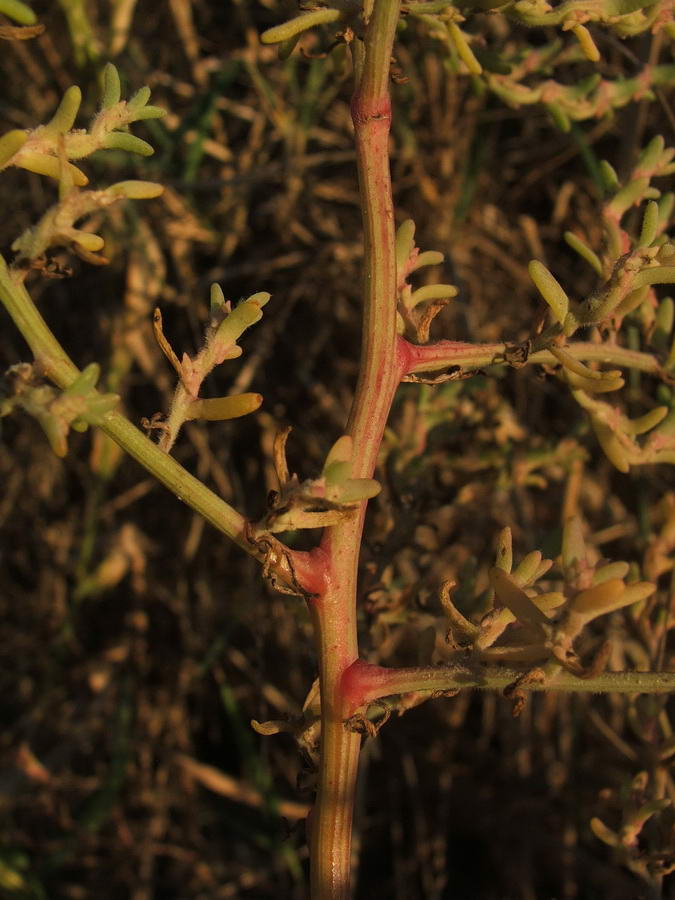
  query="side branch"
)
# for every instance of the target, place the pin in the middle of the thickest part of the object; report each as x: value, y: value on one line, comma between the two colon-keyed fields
x: 364, y: 683
x: 467, y: 356
x: 288, y: 568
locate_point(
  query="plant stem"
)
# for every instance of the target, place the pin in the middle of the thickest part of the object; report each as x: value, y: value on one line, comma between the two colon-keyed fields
x: 467, y: 356
x: 289, y: 567
x: 380, y: 372
x: 363, y: 683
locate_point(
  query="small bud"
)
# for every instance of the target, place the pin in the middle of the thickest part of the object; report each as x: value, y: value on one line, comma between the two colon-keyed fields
x: 341, y: 451
x: 85, y: 381
x: 338, y: 465
x: 217, y: 300
x: 405, y: 244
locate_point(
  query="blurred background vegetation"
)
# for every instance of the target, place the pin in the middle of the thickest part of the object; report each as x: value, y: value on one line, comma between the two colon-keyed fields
x: 136, y: 644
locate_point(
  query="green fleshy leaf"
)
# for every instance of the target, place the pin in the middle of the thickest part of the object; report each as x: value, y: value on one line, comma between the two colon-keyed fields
x: 528, y: 568
x: 137, y: 190
x: 648, y: 421
x: 612, y: 446
x: 85, y: 381
x: 10, y: 144
x: 121, y: 140
x: 18, y: 12
x: 218, y: 409
x: 432, y: 292
x: 612, y: 570
x: 356, y: 489
x: 112, y: 90
x: 281, y: 33
x: 573, y: 544
x: 609, y: 177
x: 88, y: 241
x: 504, y: 559
x: 139, y: 99
x: 337, y: 472
x: 149, y: 112
x: 650, y: 224
x: 584, y: 251
x: 558, y: 116
x: 511, y: 595
x: 42, y: 164
x: 652, y: 153
x: 428, y: 258
x: 629, y: 195
x: 550, y: 290
x: 340, y: 452
x: 242, y: 317
x: 663, y: 325
x: 64, y: 117
x: 624, y: 7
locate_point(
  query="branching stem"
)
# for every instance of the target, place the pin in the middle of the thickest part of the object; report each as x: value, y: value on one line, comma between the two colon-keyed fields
x: 380, y: 373
x: 287, y: 567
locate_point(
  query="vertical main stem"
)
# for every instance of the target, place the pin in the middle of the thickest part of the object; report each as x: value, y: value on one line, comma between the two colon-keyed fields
x: 334, y: 611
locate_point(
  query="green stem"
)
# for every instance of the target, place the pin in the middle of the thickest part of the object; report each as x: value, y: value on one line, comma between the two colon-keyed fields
x: 364, y: 683
x: 54, y: 362
x: 446, y: 354
x: 334, y: 611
